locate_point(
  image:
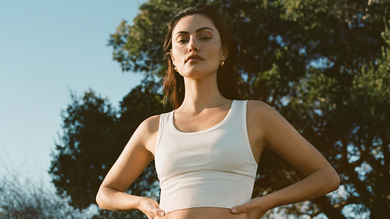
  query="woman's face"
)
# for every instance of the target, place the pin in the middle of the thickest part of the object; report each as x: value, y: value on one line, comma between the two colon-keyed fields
x: 196, y: 47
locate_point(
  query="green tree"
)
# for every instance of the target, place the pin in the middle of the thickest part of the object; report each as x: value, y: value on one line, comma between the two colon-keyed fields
x: 94, y: 136
x: 323, y: 64
x: 87, y: 146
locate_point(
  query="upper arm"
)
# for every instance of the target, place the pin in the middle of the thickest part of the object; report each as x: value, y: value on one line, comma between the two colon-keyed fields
x: 135, y: 157
x: 278, y: 135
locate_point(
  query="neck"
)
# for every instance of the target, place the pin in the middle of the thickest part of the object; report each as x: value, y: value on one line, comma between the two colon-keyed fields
x: 201, y: 94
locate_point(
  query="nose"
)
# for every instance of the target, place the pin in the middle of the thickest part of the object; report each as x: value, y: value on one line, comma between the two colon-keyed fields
x: 192, y: 45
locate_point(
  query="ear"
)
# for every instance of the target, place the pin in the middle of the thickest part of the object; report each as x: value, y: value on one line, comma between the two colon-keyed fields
x: 172, y: 57
x: 224, y: 53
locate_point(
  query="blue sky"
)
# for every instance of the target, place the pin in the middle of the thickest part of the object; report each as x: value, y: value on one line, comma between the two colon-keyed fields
x: 48, y: 48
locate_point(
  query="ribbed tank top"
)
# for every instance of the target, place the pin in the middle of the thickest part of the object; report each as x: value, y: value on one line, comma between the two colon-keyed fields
x: 209, y: 168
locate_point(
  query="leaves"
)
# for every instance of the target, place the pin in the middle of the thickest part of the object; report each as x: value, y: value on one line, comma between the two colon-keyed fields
x: 94, y: 136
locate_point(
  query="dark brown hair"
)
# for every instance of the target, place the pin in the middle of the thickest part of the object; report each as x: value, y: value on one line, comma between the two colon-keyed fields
x: 226, y: 76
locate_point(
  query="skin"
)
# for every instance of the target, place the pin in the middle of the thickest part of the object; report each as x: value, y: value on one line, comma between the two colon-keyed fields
x: 202, y: 108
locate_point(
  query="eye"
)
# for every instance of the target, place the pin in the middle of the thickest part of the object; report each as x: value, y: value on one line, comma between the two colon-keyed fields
x: 205, y: 38
x: 182, y: 41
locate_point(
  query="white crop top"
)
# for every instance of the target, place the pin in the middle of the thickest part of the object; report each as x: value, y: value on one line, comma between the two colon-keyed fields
x: 210, y: 168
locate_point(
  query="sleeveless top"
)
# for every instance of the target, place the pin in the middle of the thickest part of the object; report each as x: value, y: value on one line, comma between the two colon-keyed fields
x: 209, y: 168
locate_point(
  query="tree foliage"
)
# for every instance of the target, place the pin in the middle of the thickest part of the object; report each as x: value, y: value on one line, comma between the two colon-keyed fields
x: 323, y: 64
x: 94, y: 136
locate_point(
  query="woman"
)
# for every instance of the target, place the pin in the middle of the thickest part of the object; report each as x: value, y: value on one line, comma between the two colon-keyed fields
x: 206, y: 151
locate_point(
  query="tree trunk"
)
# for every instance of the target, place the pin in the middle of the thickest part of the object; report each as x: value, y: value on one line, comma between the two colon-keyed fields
x: 329, y: 210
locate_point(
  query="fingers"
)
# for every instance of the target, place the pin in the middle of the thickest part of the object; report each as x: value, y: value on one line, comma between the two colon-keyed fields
x: 158, y: 212
x: 239, y: 209
x: 250, y: 209
x: 155, y: 212
x: 151, y: 208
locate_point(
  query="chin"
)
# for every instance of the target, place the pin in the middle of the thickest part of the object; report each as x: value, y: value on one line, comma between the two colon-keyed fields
x: 198, y: 74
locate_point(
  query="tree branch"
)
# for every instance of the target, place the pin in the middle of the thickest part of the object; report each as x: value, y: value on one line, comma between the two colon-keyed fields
x: 328, y: 209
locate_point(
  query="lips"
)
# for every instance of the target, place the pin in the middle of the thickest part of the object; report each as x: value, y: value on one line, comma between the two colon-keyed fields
x: 193, y: 56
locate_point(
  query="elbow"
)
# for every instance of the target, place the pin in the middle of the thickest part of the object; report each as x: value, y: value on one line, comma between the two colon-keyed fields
x: 99, y: 200
x: 334, y: 180
x: 337, y: 182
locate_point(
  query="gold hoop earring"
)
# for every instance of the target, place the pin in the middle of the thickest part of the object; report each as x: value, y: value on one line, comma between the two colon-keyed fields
x: 221, y: 63
x: 175, y: 68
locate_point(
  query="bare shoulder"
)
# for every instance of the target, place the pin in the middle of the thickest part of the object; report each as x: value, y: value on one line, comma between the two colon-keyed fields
x: 264, y: 119
x: 256, y: 104
x: 147, y: 132
x: 259, y: 109
x: 258, y: 118
x: 150, y: 125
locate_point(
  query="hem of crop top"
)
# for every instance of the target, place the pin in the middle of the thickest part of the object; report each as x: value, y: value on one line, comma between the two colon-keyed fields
x: 177, y: 131
x: 201, y: 206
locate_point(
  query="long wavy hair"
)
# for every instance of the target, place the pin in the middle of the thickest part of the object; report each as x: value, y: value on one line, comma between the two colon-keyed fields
x: 227, y: 81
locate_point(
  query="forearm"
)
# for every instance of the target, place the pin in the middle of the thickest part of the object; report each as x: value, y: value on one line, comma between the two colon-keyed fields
x: 111, y: 199
x: 314, y: 185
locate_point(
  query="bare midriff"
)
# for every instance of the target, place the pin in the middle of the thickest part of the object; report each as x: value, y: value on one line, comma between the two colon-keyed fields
x: 203, y: 213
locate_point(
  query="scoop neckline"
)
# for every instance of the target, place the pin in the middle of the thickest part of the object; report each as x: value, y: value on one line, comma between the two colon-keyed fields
x: 227, y: 117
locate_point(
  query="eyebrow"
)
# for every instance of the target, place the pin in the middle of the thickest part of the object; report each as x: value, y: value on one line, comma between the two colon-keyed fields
x: 197, y: 30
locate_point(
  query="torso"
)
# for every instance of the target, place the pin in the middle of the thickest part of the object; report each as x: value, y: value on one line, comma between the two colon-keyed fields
x: 193, y: 124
